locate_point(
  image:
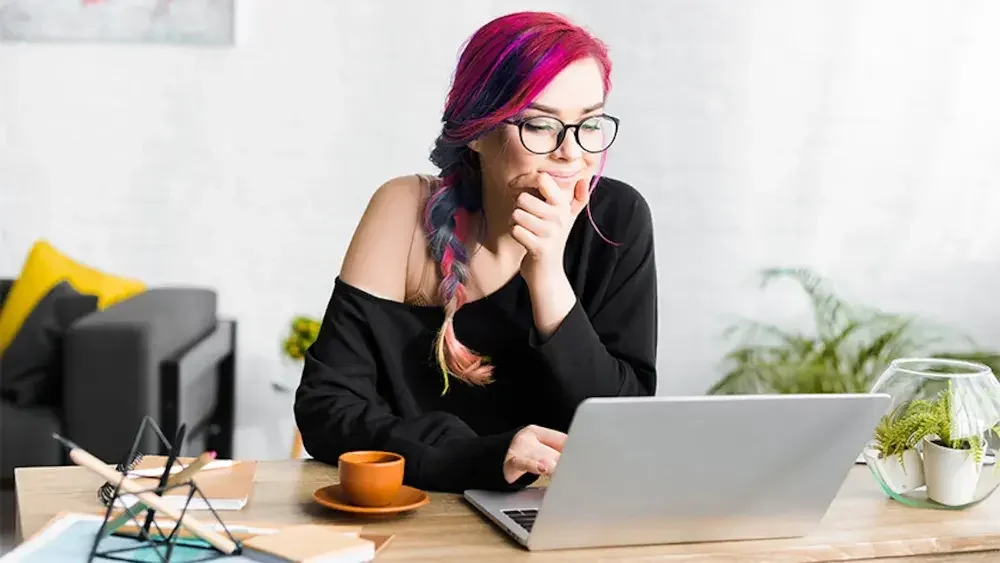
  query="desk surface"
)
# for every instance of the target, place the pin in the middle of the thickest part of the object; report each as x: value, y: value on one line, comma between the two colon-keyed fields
x: 861, y: 524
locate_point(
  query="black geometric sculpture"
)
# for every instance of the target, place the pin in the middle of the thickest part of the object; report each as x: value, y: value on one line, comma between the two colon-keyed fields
x: 150, y: 535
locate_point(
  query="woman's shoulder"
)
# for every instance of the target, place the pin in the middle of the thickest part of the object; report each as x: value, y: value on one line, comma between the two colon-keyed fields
x: 400, y: 194
x: 380, y: 250
x: 620, y: 210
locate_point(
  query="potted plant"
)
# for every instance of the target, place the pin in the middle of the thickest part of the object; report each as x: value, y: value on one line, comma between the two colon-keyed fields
x: 303, y: 331
x: 846, y: 352
x: 896, y: 441
x: 953, y: 460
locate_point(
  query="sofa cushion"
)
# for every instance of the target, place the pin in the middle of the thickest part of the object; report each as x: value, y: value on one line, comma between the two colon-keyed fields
x: 31, y: 367
x: 4, y: 290
x: 44, y: 268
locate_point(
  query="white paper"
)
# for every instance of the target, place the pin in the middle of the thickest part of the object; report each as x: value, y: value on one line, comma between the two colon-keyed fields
x: 177, y: 468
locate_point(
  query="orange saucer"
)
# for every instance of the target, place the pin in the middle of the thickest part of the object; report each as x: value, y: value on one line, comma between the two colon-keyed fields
x: 407, y: 498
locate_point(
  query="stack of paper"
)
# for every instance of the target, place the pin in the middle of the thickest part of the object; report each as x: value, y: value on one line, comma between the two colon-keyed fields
x: 226, y: 484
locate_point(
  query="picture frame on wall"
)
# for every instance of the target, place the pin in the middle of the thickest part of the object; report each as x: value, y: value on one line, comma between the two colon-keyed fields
x: 180, y: 22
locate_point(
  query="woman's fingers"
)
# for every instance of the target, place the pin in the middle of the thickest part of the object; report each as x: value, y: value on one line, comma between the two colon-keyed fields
x: 518, y: 465
x: 552, y: 438
x: 537, y: 207
x: 581, y: 197
x: 539, y: 460
x: 550, y: 190
x: 527, y: 239
x: 534, y: 224
x: 523, y: 464
x: 545, y: 457
x: 534, y: 449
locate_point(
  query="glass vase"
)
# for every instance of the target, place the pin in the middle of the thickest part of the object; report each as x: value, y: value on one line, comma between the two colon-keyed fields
x: 936, y: 446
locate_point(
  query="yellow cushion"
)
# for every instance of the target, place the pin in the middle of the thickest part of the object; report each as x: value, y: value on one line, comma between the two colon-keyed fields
x: 46, y: 267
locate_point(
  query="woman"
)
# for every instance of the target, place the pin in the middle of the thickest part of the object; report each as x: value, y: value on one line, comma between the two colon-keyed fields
x: 474, y: 311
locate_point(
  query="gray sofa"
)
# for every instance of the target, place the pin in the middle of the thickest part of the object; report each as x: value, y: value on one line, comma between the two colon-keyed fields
x: 163, y: 353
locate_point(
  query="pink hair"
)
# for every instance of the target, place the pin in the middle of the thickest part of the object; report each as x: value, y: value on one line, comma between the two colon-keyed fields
x: 504, y: 66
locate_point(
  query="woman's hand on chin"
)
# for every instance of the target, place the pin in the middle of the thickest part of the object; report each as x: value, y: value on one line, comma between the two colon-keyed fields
x: 542, y: 225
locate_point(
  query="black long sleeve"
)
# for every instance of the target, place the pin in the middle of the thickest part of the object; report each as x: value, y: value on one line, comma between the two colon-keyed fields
x: 337, y: 409
x: 370, y: 380
x: 608, y: 349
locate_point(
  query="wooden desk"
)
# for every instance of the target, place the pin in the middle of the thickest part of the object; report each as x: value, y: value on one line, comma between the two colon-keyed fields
x: 861, y: 523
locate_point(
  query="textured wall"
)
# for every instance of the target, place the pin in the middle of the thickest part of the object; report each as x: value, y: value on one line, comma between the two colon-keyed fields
x: 857, y: 138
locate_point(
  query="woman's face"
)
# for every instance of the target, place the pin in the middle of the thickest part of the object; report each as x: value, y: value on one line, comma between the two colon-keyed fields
x: 574, y: 95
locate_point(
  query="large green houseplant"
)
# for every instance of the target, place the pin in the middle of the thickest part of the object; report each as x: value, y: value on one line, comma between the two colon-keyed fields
x: 849, y: 347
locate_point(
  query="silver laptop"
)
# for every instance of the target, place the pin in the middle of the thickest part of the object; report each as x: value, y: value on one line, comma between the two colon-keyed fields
x: 657, y: 470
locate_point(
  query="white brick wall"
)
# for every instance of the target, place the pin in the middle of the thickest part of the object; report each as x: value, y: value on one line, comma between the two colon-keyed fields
x: 857, y: 138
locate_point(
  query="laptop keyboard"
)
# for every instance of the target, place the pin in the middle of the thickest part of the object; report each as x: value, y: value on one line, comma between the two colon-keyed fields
x: 524, y: 518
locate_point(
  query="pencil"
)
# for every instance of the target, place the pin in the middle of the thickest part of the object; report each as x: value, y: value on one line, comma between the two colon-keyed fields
x: 239, y: 530
x: 132, y: 530
x: 84, y: 458
x: 192, y: 469
x: 185, y: 474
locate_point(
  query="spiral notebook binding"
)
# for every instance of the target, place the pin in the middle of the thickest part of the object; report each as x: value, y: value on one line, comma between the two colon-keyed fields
x: 107, y: 490
x: 133, y: 457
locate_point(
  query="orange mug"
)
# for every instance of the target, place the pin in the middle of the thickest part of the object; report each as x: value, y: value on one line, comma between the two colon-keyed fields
x: 370, y: 478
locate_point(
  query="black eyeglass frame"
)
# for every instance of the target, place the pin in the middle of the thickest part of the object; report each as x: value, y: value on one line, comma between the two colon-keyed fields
x: 519, y: 123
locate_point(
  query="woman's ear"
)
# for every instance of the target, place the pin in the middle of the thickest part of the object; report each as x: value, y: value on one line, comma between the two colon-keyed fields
x: 474, y: 145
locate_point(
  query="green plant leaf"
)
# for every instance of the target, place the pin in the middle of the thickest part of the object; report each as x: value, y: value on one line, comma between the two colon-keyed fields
x: 850, y: 348
x: 303, y: 331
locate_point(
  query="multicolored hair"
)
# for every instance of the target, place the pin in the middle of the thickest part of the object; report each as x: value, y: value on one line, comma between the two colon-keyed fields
x: 505, y: 65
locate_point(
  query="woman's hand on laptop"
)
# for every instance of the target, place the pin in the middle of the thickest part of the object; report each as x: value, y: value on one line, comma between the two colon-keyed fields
x: 533, y: 450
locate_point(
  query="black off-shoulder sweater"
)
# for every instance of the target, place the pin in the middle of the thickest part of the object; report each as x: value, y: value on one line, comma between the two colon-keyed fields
x: 370, y: 381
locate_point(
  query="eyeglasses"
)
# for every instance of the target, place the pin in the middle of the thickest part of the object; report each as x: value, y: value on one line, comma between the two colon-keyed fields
x: 545, y: 134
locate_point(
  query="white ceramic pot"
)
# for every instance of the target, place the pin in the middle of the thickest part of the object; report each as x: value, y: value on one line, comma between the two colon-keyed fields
x: 902, y: 476
x: 952, y: 475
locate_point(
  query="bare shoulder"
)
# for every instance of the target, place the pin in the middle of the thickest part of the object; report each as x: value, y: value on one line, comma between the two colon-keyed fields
x: 379, y: 253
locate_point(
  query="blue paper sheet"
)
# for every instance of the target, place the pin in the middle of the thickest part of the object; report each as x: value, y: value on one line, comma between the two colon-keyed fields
x: 70, y: 540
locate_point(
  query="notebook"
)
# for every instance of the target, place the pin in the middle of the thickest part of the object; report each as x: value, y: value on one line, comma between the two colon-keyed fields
x: 227, y: 486
x: 308, y: 543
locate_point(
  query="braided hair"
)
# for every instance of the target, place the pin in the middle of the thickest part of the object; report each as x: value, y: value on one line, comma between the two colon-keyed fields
x: 503, y: 67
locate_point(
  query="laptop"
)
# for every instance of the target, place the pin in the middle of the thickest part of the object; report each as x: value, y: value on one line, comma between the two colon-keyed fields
x: 660, y: 470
